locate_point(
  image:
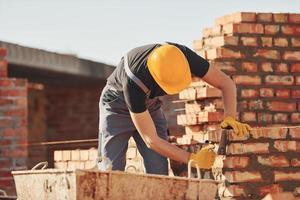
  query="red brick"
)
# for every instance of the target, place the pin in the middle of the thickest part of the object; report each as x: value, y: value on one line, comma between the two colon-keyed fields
x: 264, y: 17
x: 18, y: 112
x: 3, y: 52
x: 291, y: 55
x: 266, y: 41
x: 229, y: 53
x: 224, y: 66
x: 266, y: 92
x: 295, y: 67
x: 283, y: 93
x: 3, y: 73
x: 236, y: 177
x: 295, y: 132
x: 295, y: 117
x: 296, y: 93
x: 268, y: 54
x: 16, y: 153
x: 281, y: 68
x: 273, y: 161
x: 294, y: 18
x: 270, y: 189
x: 249, y: 117
x: 249, y: 93
x: 281, y: 106
x: 281, y: 42
x: 236, y: 162
x: 249, y: 28
x: 6, y: 122
x: 295, y: 42
x: 240, y: 148
x: 280, y: 118
x: 249, y: 66
x: 290, y: 30
x: 236, y: 18
x: 295, y: 162
x: 3, y: 66
x: 297, y: 80
x: 279, y: 80
x: 266, y: 67
x: 286, y: 176
x: 264, y: 118
x: 285, y: 146
x: 255, y: 105
x: 280, y: 17
x: 249, y: 41
x: 272, y: 29
x: 247, y: 80
x: 272, y: 133
x: 13, y: 92
x: 6, y: 182
x: 5, y: 173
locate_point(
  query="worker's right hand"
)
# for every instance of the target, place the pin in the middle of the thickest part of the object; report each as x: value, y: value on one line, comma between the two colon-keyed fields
x: 239, y: 128
x: 204, y: 158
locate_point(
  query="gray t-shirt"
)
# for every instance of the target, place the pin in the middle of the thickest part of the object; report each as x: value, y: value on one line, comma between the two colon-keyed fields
x: 135, y: 97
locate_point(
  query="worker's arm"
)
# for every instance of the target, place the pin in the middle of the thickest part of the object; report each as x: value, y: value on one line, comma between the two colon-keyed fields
x: 220, y: 80
x: 145, y: 126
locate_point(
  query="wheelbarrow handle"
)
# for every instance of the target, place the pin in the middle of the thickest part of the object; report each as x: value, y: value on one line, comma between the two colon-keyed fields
x: 41, y: 165
x: 190, y: 169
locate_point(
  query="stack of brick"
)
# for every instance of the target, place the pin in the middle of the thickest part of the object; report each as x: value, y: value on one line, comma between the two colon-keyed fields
x: 86, y: 159
x: 75, y: 159
x: 203, y: 111
x: 13, y: 125
x: 261, y: 52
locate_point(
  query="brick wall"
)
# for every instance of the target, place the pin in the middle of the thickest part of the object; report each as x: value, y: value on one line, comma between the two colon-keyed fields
x: 72, y: 112
x: 261, y: 52
x: 265, y: 161
x: 13, y: 125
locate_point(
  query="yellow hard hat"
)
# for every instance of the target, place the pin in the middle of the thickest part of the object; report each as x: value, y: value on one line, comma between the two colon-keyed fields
x: 169, y: 68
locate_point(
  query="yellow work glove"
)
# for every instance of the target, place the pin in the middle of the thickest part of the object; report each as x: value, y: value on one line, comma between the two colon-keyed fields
x: 239, y: 128
x: 204, y: 158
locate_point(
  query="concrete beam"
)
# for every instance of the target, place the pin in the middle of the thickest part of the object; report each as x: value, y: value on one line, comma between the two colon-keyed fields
x: 55, y: 62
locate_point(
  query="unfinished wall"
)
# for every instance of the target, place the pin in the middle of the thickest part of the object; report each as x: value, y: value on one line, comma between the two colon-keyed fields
x: 13, y: 126
x: 261, y: 52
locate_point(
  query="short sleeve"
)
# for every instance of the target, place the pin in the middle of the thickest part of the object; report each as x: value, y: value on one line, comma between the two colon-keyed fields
x: 198, y: 65
x: 135, y: 97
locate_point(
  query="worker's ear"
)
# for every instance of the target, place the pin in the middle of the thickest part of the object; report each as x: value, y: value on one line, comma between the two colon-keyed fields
x: 145, y: 126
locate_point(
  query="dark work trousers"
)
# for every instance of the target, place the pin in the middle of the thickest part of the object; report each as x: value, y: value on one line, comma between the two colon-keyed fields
x: 116, y: 128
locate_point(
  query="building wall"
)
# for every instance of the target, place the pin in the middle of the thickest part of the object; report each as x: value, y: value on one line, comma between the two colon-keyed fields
x: 13, y: 126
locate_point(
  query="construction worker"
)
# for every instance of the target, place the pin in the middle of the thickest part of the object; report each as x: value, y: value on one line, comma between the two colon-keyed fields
x: 129, y: 106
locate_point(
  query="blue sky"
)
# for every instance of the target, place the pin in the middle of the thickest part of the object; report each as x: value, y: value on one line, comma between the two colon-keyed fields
x: 103, y: 30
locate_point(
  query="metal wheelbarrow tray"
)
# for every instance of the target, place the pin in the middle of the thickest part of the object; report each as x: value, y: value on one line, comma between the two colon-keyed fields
x: 53, y: 184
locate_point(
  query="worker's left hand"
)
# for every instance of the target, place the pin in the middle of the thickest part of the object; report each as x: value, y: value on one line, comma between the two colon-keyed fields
x: 204, y: 158
x: 239, y: 128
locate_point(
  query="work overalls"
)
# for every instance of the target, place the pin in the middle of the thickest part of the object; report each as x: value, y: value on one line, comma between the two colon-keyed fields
x: 116, y: 127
